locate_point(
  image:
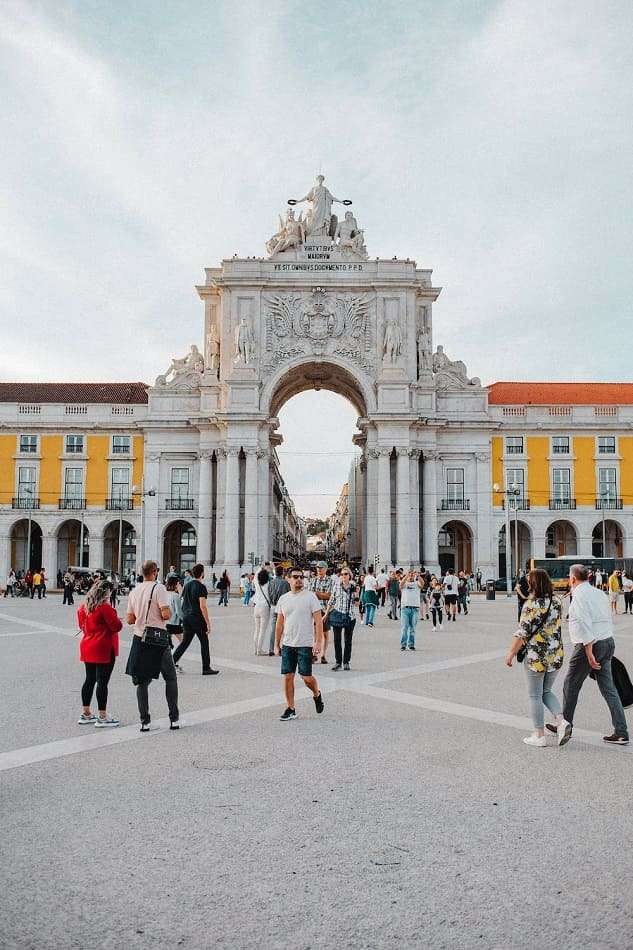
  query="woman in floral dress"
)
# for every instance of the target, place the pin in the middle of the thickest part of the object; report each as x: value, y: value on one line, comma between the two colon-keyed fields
x: 540, y: 634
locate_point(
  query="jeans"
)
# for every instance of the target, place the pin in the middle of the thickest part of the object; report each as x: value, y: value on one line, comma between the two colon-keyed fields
x: 436, y: 614
x: 540, y: 695
x: 578, y: 672
x: 168, y: 672
x: 408, y: 622
x: 100, y: 674
x: 343, y: 655
x: 188, y: 633
x: 224, y: 598
x: 247, y: 597
x: 370, y: 613
x: 393, y: 605
x: 462, y: 603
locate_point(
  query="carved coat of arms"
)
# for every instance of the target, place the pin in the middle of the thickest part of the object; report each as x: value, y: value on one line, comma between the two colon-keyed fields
x: 316, y: 319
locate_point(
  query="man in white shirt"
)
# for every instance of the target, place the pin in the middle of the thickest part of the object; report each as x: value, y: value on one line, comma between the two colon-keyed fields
x: 627, y: 587
x: 299, y: 641
x: 381, y: 586
x: 591, y: 632
x: 450, y: 586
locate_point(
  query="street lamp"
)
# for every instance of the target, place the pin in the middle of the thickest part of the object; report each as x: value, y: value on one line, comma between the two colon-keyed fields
x: 143, y: 495
x: 604, y: 495
x: 497, y: 488
x: 27, y: 565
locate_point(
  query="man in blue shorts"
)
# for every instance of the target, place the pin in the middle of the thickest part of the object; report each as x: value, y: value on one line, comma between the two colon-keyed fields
x: 299, y: 641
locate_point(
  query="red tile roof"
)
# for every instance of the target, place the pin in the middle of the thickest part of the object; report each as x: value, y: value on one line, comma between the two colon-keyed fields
x: 126, y: 393
x: 560, y: 394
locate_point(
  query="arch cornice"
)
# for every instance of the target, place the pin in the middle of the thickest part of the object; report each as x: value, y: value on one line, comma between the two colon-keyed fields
x: 307, y: 372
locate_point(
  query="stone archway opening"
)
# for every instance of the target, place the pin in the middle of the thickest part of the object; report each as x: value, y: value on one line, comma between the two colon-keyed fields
x: 561, y: 540
x: 607, y: 539
x: 119, y: 548
x: 179, y: 546
x: 520, y: 554
x: 72, y: 545
x: 20, y: 561
x: 455, y: 547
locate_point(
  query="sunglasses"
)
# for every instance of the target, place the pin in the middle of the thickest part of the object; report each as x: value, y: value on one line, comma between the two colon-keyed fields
x: 296, y: 577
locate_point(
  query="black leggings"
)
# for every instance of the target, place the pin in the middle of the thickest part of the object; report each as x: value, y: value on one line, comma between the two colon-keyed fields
x: 100, y: 674
x: 436, y: 614
x: 343, y: 655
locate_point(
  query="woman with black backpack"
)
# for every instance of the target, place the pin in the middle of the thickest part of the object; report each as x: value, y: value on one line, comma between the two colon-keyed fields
x: 224, y: 586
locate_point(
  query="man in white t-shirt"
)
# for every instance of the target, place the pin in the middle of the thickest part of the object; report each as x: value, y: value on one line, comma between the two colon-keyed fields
x: 627, y: 587
x: 299, y: 641
x: 450, y: 586
x: 381, y: 585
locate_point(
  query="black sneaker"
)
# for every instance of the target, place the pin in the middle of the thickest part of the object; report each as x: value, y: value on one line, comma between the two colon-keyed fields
x: 346, y: 666
x: 175, y: 724
x: 210, y: 672
x: 288, y: 714
x: 403, y: 649
x: 323, y: 660
x: 552, y: 727
x: 412, y: 648
x: 615, y: 739
x: 336, y: 668
x: 318, y: 703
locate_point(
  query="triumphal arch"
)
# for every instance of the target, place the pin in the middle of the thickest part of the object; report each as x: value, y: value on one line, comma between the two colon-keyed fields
x: 316, y: 311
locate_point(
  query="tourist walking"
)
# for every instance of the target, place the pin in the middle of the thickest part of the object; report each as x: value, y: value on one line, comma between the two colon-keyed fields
x: 478, y: 579
x: 450, y: 587
x: 174, y: 626
x: 299, y: 641
x: 321, y: 585
x: 224, y: 586
x: 614, y: 591
x: 195, y: 619
x: 538, y: 645
x: 393, y: 590
x: 36, y: 585
x: 381, y: 586
x: 148, y: 610
x: 9, y: 589
x: 436, y: 602
x: 249, y: 589
x: 277, y: 586
x: 369, y: 596
x: 342, y: 617
x: 68, y: 582
x: 522, y: 591
x: 462, y: 593
x: 627, y: 587
x: 43, y: 580
x: 98, y: 650
x: 261, y: 613
x: 410, y: 590
x: 591, y: 632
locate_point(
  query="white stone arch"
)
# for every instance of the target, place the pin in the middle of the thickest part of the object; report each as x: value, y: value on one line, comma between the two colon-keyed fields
x: 615, y: 537
x: 310, y: 372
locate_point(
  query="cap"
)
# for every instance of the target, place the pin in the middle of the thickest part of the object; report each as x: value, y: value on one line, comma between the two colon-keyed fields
x: 321, y: 564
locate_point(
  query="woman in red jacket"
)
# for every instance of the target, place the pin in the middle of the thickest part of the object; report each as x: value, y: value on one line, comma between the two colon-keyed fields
x: 98, y: 650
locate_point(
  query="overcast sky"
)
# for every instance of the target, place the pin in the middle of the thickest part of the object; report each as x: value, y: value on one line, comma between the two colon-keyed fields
x: 143, y: 141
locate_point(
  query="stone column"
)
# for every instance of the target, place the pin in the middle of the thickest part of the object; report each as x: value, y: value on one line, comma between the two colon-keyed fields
x: 220, y: 529
x: 429, y: 487
x: 403, y: 532
x: 232, y: 507
x: 5, y: 557
x: 370, y: 532
x: 264, y: 547
x: 251, y: 505
x: 203, y: 547
x: 49, y: 558
x: 483, y: 555
x: 538, y: 543
x: 96, y: 550
x: 384, y: 506
x: 414, y: 506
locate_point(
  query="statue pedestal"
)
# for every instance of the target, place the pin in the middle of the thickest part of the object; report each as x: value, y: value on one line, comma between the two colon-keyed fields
x: 240, y: 371
x: 392, y: 373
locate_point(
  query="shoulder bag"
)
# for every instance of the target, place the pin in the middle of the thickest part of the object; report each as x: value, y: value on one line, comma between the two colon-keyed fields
x: 342, y: 618
x: 523, y: 651
x: 154, y: 636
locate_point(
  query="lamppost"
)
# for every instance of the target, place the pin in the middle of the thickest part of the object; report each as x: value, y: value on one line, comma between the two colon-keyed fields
x: 497, y: 488
x: 515, y: 491
x: 604, y: 495
x: 27, y: 565
x: 143, y: 495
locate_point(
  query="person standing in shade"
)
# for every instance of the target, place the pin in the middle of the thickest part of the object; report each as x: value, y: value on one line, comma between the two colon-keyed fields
x: 98, y: 650
x: 224, y: 586
x: 68, y: 582
x: 340, y: 612
x: 277, y: 586
x: 462, y: 593
x: 299, y: 641
x: 195, y: 619
x: 369, y: 596
x: 591, y: 632
x: 450, y: 587
x: 9, y: 590
x: 381, y: 586
x: 478, y: 579
x: 148, y: 606
x: 436, y: 602
x: 261, y: 613
x: 523, y: 592
x: 321, y: 585
x: 410, y: 591
x: 627, y: 587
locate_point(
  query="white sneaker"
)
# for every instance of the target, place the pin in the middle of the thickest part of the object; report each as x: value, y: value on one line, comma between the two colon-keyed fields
x: 86, y: 720
x: 149, y: 727
x: 539, y: 741
x: 564, y: 732
x: 108, y: 723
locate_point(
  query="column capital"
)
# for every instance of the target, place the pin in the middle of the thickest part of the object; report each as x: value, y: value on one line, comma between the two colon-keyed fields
x: 205, y: 455
x: 231, y: 450
x: 414, y: 453
x: 430, y: 455
x: 403, y: 450
x: 263, y: 453
x: 153, y: 456
x: 251, y: 451
x: 382, y: 452
x: 482, y: 456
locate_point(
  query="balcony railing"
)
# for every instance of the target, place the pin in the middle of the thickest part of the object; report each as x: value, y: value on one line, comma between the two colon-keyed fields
x: 119, y: 504
x: 608, y: 504
x: 517, y: 504
x: 179, y: 504
x: 23, y: 501
x: 455, y: 504
x: 72, y: 504
x: 562, y: 504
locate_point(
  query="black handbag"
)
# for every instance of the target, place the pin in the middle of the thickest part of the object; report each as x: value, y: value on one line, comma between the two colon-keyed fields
x: 621, y: 681
x: 523, y: 651
x: 154, y: 636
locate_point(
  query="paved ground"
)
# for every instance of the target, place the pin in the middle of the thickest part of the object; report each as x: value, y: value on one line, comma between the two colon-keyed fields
x: 409, y: 814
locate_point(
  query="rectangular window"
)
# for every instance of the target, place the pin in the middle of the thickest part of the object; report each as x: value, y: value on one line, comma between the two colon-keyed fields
x: 608, y: 484
x: 515, y: 479
x: 180, y: 483
x: 514, y: 445
x: 455, y: 484
x: 561, y: 478
x: 606, y: 445
x: 27, y: 476
x: 560, y: 445
x: 74, y: 444
x: 73, y: 483
x: 28, y: 444
x: 120, y: 445
x: 120, y: 479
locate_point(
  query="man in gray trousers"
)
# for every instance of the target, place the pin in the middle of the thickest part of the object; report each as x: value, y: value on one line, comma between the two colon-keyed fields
x: 591, y: 632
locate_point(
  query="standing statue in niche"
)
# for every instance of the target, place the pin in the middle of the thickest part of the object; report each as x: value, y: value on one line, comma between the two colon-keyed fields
x: 244, y: 342
x: 392, y: 341
x: 350, y: 236
x: 213, y: 349
x: 425, y: 358
x: 319, y: 221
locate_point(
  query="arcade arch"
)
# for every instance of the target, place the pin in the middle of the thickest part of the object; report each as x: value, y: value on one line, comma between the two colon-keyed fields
x: 72, y: 545
x: 612, y: 535
x: 561, y: 539
x: 19, y: 544
x: 179, y: 546
x: 119, y: 547
x: 455, y: 547
x: 524, y: 550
